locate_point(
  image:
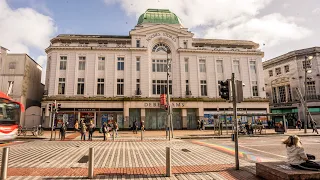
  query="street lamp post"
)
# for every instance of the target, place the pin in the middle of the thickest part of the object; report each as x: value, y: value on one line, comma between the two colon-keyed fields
x: 306, y: 92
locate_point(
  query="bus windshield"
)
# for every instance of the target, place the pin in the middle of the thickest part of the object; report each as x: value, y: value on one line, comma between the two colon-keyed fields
x: 9, y: 112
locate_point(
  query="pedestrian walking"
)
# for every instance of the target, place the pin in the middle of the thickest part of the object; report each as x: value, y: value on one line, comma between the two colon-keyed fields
x: 314, y: 127
x: 202, y: 124
x: 116, y: 128
x: 76, y: 126
x: 299, y: 124
x: 83, y: 131
x: 199, y: 124
x: 63, y: 132
x: 91, y: 130
x: 135, y: 127
x: 104, y: 130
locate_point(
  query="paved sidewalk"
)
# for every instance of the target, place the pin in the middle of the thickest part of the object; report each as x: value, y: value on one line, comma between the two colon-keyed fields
x: 49, y: 159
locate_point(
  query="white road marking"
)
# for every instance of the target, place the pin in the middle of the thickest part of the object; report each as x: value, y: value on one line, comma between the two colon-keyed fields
x: 263, y: 151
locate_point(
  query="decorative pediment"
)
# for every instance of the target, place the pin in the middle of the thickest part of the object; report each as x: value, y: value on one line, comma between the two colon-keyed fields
x: 161, y: 28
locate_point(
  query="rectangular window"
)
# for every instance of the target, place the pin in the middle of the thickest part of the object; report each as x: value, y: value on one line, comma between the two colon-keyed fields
x: 311, y: 89
x: 185, y: 44
x: 278, y: 71
x: 82, y: 62
x: 160, y: 87
x: 282, y: 94
x: 286, y: 69
x: 62, y: 85
x: 10, y: 87
x: 138, y: 63
x: 12, y: 65
x: 253, y: 67
x: 120, y: 63
x: 80, y: 89
x: 63, y: 62
x: 138, y: 91
x: 236, y: 66
x: 270, y: 73
x: 100, y: 86
x: 186, y: 64
x: 101, y: 63
x: 202, y: 65
x: 308, y: 64
x: 219, y: 66
x: 203, y: 84
x: 160, y: 66
x: 138, y: 43
x: 289, y: 93
x: 188, y: 92
x: 255, y: 91
x: 120, y: 87
x: 274, y: 95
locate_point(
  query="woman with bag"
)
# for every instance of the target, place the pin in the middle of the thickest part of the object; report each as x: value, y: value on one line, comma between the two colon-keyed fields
x: 91, y: 130
x: 297, y: 158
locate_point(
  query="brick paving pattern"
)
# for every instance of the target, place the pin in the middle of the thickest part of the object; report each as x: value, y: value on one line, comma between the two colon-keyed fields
x: 49, y: 159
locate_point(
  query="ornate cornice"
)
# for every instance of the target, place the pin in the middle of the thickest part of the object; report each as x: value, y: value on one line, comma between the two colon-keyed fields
x: 94, y: 48
x: 235, y: 51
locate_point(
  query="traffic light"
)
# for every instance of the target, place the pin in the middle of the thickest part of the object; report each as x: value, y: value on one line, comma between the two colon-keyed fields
x: 53, y: 106
x: 224, y: 89
x: 50, y: 107
x: 59, y: 107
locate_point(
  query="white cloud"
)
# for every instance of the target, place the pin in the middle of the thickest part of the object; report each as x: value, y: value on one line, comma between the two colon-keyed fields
x: 271, y: 30
x: 226, y: 18
x: 316, y: 11
x: 24, y: 28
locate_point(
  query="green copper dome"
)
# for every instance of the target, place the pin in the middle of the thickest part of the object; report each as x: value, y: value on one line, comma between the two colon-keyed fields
x: 158, y: 16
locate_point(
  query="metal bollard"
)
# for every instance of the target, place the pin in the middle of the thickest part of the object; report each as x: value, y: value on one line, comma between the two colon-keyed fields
x: 141, y: 135
x: 113, y: 135
x: 4, y: 164
x: 168, y: 161
x: 91, y: 163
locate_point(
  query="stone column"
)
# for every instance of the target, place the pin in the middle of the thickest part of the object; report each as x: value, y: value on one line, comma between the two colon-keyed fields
x: 184, y: 118
x: 199, y: 113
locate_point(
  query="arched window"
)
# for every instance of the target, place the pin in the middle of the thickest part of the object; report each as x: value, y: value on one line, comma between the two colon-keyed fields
x: 160, y: 47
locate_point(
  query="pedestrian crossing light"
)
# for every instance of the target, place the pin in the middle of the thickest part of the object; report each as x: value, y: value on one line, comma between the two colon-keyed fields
x: 224, y: 89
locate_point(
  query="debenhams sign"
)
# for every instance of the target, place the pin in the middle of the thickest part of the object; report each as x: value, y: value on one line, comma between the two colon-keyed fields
x: 157, y: 105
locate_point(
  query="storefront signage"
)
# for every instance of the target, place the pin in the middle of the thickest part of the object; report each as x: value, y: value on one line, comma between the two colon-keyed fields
x: 173, y: 104
x: 86, y: 109
x: 161, y: 34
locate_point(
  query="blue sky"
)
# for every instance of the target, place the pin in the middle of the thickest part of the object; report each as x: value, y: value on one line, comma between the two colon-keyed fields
x: 279, y: 26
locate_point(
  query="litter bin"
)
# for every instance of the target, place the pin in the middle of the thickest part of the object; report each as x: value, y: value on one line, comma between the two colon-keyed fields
x: 232, y: 137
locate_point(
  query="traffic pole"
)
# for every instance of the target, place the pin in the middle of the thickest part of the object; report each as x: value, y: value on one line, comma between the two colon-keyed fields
x: 234, y: 99
x: 4, y: 163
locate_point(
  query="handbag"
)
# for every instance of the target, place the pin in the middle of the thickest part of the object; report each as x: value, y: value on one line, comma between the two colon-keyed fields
x: 311, y: 157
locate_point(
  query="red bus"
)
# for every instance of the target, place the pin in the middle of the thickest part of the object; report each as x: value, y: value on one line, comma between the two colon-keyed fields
x: 10, y: 112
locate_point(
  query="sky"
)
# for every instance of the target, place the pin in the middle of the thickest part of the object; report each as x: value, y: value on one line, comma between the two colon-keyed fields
x: 279, y: 26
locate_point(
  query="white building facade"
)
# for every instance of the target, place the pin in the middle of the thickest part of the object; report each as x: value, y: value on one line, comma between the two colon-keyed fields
x: 120, y: 78
x: 284, y: 74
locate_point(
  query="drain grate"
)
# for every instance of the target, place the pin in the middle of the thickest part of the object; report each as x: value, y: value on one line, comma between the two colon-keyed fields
x: 185, y: 150
x: 84, y: 159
